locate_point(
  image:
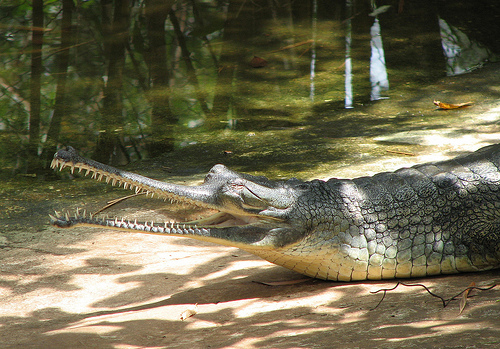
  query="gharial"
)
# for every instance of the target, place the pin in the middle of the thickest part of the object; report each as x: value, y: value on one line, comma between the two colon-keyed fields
x: 435, y: 218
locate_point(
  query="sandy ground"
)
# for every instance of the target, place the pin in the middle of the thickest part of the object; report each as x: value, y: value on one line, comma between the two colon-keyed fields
x: 95, y: 288
x: 105, y: 289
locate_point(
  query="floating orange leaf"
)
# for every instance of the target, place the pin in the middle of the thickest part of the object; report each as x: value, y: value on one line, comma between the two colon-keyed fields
x: 448, y: 106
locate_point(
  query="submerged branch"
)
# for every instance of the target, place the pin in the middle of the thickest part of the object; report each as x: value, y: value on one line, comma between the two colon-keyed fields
x: 189, y: 64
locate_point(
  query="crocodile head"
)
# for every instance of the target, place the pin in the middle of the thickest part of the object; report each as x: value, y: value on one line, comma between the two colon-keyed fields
x: 253, y: 213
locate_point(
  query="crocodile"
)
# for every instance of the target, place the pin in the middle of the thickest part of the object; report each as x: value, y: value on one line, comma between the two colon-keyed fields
x: 429, y: 219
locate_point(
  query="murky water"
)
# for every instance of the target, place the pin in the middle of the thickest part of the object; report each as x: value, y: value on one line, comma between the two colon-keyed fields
x: 348, y: 81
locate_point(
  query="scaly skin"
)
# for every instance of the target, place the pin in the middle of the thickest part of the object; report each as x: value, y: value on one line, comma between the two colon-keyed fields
x: 435, y: 218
